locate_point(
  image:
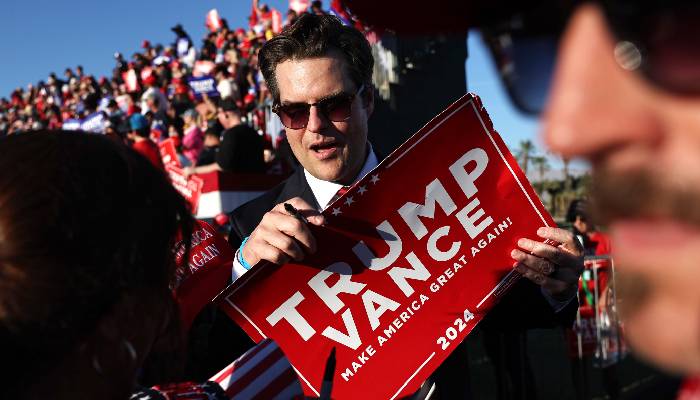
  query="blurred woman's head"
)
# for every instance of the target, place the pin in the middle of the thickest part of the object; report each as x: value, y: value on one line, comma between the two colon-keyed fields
x: 578, y: 215
x: 86, y: 234
x: 189, y: 117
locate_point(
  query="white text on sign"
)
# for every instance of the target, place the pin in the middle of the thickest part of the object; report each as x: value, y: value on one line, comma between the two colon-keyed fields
x: 471, y: 217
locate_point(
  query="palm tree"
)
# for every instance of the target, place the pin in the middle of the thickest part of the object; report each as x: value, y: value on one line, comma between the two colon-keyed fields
x: 524, y: 154
x: 566, y: 162
x: 542, y: 165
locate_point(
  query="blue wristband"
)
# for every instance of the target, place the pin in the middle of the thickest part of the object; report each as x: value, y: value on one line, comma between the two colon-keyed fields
x: 242, y: 260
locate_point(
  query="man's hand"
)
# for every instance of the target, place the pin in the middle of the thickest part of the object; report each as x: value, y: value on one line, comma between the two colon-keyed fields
x: 188, y: 171
x: 281, y: 237
x: 556, y: 269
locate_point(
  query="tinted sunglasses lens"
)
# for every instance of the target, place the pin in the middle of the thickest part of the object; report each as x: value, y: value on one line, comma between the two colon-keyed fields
x: 666, y: 39
x: 338, y: 110
x: 676, y: 68
x: 526, y: 64
x: 295, y: 117
x: 534, y: 60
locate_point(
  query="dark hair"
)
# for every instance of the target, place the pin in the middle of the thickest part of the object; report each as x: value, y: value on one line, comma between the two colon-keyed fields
x: 143, y: 132
x: 83, y: 221
x: 222, y: 69
x: 315, y: 36
x: 577, y: 208
x: 91, y: 101
x: 212, y: 132
x: 154, y: 99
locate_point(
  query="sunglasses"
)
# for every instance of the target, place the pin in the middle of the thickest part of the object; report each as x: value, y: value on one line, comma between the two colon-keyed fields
x: 659, y: 39
x: 337, y: 108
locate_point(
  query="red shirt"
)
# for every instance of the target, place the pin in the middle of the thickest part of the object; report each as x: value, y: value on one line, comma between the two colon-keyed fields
x: 601, y: 241
x: 149, y: 150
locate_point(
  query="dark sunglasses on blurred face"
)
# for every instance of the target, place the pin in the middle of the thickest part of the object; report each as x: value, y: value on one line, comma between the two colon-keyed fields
x: 337, y: 108
x: 658, y: 38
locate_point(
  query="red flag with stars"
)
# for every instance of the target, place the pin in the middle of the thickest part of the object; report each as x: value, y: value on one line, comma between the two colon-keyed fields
x: 411, y: 259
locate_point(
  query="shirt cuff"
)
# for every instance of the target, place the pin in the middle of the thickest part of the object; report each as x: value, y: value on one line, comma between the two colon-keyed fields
x: 238, y: 269
x: 557, y: 305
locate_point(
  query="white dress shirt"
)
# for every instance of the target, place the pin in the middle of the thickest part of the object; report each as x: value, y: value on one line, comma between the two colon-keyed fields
x: 324, y: 191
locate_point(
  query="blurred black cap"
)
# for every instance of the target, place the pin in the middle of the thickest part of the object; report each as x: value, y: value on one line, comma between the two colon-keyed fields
x: 228, y: 104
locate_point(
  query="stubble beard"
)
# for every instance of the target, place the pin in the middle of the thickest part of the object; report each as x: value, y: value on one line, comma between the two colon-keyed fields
x: 640, y: 195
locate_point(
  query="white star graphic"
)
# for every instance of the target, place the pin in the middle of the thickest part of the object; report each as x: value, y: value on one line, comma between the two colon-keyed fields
x: 336, y: 212
x: 362, y: 189
x: 374, y: 179
x: 349, y: 200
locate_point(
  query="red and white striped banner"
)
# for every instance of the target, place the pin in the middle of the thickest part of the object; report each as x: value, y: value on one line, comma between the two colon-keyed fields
x: 263, y: 372
x: 168, y: 153
x: 226, y: 191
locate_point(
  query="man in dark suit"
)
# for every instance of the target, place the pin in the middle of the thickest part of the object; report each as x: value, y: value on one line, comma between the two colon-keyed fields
x: 320, y: 75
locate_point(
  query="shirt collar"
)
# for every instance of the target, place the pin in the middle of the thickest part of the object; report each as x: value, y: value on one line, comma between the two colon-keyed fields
x: 324, y: 191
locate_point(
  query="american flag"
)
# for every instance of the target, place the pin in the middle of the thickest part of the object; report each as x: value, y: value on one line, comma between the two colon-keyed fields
x: 213, y: 20
x: 263, y: 372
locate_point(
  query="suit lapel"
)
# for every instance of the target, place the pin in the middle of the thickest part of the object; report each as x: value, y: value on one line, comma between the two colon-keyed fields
x: 297, y: 186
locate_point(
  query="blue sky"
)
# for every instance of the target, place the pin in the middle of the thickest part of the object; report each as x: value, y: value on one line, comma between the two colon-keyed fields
x: 483, y: 79
x: 40, y: 36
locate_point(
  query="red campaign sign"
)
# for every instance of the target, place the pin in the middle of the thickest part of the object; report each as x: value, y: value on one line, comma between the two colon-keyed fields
x: 131, y: 81
x: 583, y: 338
x: 147, y: 74
x: 168, y: 153
x: 190, y: 188
x: 412, y: 257
x: 206, y: 272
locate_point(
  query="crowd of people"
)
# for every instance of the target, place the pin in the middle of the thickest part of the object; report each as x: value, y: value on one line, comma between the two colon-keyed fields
x: 172, y: 91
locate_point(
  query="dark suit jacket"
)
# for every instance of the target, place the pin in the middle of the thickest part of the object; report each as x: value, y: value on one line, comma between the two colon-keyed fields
x: 522, y: 308
x: 215, y: 339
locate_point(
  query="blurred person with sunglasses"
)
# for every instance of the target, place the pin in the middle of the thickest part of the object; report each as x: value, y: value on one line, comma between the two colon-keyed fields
x: 618, y: 82
x: 320, y: 76
x: 634, y: 113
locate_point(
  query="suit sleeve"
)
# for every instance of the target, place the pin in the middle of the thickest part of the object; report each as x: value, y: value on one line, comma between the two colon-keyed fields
x: 524, y: 307
x: 235, y: 237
